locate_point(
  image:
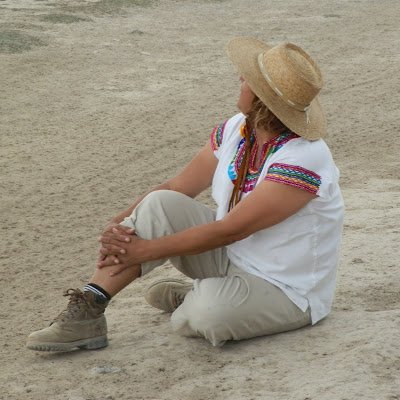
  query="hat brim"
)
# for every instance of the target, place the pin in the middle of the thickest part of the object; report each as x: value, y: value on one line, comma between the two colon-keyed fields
x: 243, y: 52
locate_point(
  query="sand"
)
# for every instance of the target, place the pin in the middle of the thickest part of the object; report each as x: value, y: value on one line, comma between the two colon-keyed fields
x: 101, y: 100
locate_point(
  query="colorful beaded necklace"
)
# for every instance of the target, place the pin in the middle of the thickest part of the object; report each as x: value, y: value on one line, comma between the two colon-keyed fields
x: 268, y: 148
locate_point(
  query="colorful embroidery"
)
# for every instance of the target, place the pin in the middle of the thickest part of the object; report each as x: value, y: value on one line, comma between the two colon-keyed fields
x: 253, y: 172
x: 294, y: 175
x: 217, y: 136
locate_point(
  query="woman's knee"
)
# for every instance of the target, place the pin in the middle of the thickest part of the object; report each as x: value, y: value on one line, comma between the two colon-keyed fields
x: 151, y: 216
x: 202, y: 321
x: 159, y: 198
x: 213, y: 323
x: 205, y: 313
x: 161, y: 205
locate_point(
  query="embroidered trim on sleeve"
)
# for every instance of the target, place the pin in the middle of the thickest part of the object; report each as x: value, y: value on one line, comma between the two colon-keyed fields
x: 294, y: 175
x: 217, y: 136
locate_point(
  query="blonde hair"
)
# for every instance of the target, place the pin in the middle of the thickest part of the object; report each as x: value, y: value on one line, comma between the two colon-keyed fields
x: 259, y: 116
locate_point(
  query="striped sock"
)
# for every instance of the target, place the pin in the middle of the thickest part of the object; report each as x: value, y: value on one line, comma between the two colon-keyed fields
x: 101, y: 295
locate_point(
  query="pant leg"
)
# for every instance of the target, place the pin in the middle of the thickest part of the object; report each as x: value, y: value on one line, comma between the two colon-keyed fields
x: 238, y: 306
x: 165, y: 212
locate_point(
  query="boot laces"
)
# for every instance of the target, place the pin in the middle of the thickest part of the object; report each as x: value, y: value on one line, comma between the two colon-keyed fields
x: 77, y: 302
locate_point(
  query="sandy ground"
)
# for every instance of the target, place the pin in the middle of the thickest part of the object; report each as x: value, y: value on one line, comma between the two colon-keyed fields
x: 99, y: 101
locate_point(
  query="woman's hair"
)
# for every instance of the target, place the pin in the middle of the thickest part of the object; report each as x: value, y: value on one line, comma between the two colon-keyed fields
x: 259, y: 116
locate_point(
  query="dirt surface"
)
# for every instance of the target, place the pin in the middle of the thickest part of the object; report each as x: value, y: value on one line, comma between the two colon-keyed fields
x: 100, y: 100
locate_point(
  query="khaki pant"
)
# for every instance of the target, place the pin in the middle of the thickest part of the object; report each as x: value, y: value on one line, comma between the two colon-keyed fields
x: 225, y: 302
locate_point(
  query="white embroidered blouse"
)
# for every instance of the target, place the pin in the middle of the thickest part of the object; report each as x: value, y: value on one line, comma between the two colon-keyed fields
x: 300, y: 254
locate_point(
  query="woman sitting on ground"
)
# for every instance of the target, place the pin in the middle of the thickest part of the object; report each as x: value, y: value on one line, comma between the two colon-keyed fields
x: 265, y: 261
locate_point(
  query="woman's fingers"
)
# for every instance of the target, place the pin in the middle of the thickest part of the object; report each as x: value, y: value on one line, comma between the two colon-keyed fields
x: 124, y: 237
x: 112, y: 261
x: 121, y: 229
x: 111, y: 249
x: 112, y: 238
x: 101, y: 255
x: 115, y: 237
x: 108, y: 262
x: 118, y: 269
x: 124, y: 229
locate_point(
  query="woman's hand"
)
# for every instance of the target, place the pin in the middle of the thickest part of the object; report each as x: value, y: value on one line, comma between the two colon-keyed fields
x: 123, y: 233
x: 119, y: 252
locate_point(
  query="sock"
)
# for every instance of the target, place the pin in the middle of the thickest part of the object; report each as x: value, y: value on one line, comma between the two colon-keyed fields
x: 101, y: 295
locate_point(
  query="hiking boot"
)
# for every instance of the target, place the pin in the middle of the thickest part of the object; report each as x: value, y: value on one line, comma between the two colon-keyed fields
x: 167, y: 294
x: 81, y: 325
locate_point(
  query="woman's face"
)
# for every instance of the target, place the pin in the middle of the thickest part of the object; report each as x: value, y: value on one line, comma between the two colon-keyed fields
x: 246, y: 97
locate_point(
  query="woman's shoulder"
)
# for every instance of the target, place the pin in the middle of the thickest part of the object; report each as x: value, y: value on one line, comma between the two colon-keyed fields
x: 309, y: 162
x: 317, y: 149
x: 229, y: 129
x: 226, y: 133
x: 235, y: 122
x: 311, y: 145
x: 312, y: 155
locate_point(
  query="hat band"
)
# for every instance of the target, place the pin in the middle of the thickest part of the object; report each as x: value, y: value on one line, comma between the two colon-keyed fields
x: 297, y: 106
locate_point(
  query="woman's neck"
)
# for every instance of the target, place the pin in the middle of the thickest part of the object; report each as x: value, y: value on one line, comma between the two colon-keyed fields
x: 263, y: 136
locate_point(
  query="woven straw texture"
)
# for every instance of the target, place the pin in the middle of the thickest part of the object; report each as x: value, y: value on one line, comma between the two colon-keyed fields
x: 293, y: 72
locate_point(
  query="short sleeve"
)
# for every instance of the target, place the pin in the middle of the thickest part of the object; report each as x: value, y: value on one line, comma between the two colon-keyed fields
x: 217, y: 136
x: 307, y: 165
x: 294, y: 175
x: 224, y: 136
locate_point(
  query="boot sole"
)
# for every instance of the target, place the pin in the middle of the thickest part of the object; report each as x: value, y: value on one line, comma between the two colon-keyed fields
x: 87, y: 344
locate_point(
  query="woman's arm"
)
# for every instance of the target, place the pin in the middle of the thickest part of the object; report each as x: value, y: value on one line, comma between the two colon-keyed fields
x: 192, y: 180
x: 269, y: 204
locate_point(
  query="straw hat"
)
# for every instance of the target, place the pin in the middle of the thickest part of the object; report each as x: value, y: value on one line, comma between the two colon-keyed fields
x: 285, y: 79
